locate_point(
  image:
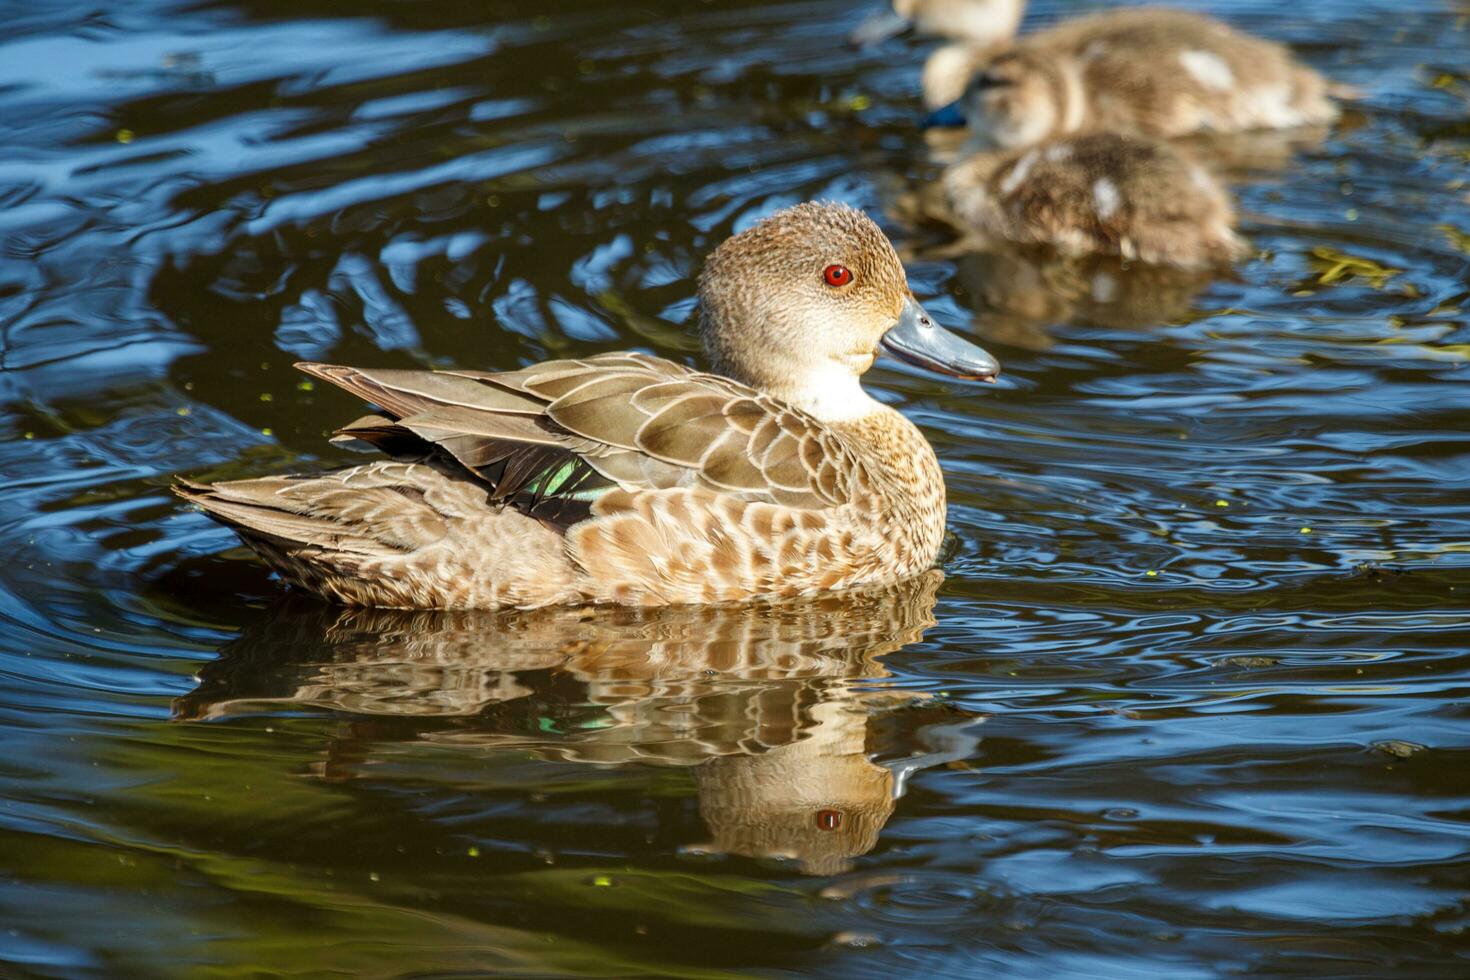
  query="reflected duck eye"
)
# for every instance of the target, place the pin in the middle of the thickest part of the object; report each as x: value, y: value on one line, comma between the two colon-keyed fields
x: 829, y: 819
x: 837, y: 275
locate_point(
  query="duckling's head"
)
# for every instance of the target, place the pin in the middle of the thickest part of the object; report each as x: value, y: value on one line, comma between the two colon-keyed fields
x: 970, y: 21
x: 800, y: 304
x: 1019, y: 99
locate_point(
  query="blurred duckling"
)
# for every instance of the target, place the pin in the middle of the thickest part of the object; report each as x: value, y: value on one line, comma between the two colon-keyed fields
x: 1162, y: 73
x: 1095, y: 194
x: 977, y: 29
x: 1150, y: 71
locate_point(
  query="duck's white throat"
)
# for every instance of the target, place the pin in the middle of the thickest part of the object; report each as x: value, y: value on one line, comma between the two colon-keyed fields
x: 832, y: 394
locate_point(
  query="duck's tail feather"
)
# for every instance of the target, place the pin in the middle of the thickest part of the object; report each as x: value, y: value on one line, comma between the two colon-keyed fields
x: 408, y: 535
x: 261, y: 509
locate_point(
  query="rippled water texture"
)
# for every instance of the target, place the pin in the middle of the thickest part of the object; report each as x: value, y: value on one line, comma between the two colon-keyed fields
x: 1188, y: 698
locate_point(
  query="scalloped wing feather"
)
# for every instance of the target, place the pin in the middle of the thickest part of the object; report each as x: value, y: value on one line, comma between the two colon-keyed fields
x: 640, y: 422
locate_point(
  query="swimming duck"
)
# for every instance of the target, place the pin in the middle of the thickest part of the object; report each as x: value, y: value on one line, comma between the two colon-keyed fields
x: 626, y: 478
x: 1151, y: 71
x: 1095, y: 194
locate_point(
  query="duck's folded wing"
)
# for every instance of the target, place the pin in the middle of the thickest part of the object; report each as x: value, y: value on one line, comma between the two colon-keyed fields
x: 566, y: 428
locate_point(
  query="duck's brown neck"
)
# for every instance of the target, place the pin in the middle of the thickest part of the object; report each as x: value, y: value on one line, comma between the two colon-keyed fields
x: 903, y: 471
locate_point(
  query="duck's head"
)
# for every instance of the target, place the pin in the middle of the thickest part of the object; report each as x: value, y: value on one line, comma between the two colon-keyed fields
x: 971, y: 21
x: 1017, y: 100
x: 801, y: 304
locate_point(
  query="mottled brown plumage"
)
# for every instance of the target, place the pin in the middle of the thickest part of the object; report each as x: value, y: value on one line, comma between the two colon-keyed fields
x: 1150, y: 71
x: 1098, y: 194
x: 627, y: 478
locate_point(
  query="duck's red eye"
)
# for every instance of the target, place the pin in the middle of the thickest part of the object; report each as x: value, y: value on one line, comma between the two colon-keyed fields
x: 837, y: 275
x: 829, y: 819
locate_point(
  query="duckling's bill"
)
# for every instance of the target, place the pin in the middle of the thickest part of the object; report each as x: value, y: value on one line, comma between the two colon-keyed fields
x: 917, y: 339
x: 951, y: 116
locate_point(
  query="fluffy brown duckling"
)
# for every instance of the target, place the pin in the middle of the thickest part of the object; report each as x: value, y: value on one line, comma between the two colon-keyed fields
x: 1162, y: 73
x: 1151, y: 71
x: 976, y: 28
x: 1100, y: 193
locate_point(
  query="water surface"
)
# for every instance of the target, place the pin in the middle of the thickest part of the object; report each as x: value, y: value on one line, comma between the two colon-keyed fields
x: 1187, y: 697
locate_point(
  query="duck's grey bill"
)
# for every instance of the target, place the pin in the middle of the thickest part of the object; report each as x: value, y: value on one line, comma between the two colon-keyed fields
x: 879, y: 28
x: 916, y: 338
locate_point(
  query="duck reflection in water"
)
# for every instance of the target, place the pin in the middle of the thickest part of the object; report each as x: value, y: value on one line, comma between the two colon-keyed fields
x: 1017, y: 294
x: 798, y: 749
